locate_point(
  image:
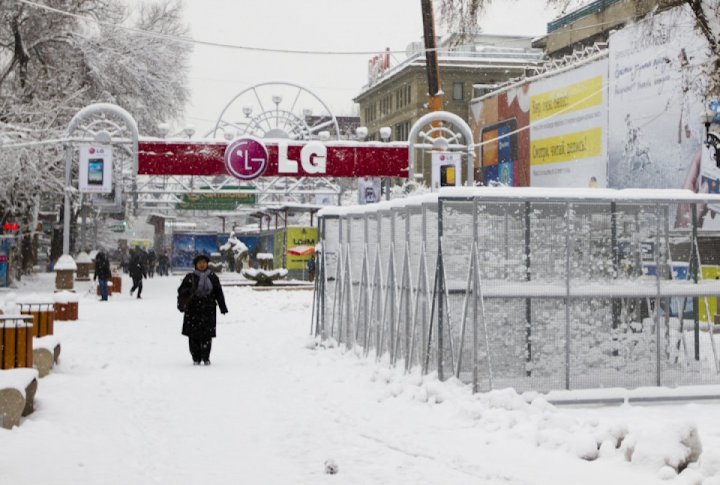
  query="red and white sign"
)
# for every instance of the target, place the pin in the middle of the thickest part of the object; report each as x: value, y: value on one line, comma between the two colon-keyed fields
x: 246, y: 158
x: 284, y: 158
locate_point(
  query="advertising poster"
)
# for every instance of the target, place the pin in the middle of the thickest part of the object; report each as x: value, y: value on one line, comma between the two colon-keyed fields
x: 549, y: 132
x: 568, y: 128
x: 708, y: 306
x: 446, y: 168
x: 206, y: 244
x: 499, y: 124
x: 95, y: 173
x: 6, y: 244
x: 301, y: 243
x: 183, y: 250
x: 368, y: 190
x: 656, y: 99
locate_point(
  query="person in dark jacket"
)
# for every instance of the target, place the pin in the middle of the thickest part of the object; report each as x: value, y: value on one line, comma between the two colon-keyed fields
x: 198, y: 294
x: 163, y: 263
x: 137, y: 270
x: 102, y: 274
x: 151, y: 258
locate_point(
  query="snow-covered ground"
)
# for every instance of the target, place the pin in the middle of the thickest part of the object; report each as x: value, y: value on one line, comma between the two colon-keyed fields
x: 126, y: 406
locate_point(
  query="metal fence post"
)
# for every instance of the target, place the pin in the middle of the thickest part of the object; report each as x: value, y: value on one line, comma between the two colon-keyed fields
x: 657, y: 296
x: 568, y: 243
x: 476, y: 295
x: 441, y: 292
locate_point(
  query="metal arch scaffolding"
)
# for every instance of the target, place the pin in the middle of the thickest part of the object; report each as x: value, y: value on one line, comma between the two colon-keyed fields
x: 269, y: 110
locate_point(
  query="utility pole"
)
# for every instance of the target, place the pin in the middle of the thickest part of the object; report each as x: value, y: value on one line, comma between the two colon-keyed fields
x: 435, y: 102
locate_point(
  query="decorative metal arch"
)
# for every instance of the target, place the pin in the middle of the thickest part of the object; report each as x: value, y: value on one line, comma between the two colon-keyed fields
x: 107, y: 124
x: 440, y: 137
x: 297, y: 117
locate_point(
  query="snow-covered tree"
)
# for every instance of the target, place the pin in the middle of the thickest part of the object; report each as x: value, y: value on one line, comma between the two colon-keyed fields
x: 461, y: 17
x: 60, y: 57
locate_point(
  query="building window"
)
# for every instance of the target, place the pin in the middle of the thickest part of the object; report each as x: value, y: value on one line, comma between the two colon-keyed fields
x: 402, y: 131
x: 458, y: 91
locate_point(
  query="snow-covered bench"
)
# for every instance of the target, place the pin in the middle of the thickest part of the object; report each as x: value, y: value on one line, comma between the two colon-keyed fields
x: 46, y: 353
x: 17, y: 395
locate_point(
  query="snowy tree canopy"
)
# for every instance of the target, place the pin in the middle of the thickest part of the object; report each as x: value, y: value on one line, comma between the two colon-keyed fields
x: 55, y: 62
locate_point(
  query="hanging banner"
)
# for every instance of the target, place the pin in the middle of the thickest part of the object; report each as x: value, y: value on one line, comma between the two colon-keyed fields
x: 250, y: 158
x: 95, y: 169
x: 368, y: 190
x: 446, y: 169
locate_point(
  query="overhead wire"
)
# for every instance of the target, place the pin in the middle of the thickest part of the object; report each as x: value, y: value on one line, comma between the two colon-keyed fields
x: 189, y: 40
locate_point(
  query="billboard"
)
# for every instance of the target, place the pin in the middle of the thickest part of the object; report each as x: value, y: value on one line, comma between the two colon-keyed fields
x: 656, y: 99
x: 499, y: 124
x: 185, y: 246
x: 95, y: 174
x: 446, y: 168
x: 568, y: 128
x: 227, y: 200
x: 369, y: 190
x: 301, y: 243
x: 548, y: 132
x: 284, y: 158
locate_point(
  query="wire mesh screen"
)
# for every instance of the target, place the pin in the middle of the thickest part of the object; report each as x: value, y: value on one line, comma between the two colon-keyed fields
x: 536, y: 294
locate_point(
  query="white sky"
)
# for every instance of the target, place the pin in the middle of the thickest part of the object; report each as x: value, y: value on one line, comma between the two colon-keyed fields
x: 126, y: 406
x: 218, y: 74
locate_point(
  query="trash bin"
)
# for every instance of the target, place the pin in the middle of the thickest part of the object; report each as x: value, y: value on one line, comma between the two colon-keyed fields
x: 43, y: 313
x: 64, y: 269
x: 116, y: 284
x: 66, y: 306
x: 16, y: 336
x: 84, y: 265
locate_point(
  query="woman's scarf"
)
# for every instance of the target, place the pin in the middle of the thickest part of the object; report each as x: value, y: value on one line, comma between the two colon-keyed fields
x: 204, y: 286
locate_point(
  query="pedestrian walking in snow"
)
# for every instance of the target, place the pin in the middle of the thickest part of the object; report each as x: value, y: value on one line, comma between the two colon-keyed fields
x: 102, y: 274
x: 198, y: 294
x: 163, y: 263
x: 137, y: 271
x: 151, y: 258
x: 311, y: 267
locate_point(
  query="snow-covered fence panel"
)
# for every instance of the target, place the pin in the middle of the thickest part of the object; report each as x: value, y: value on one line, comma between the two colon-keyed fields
x: 530, y: 288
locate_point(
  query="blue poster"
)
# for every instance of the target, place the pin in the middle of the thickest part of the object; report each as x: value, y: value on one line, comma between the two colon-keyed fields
x: 183, y: 250
x: 206, y: 244
x: 5, y: 245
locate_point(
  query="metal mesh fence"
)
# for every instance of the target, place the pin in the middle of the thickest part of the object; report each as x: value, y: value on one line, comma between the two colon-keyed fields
x: 537, y: 294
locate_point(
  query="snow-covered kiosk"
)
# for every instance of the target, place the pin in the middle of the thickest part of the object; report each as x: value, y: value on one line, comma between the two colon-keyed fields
x: 84, y: 265
x: 64, y: 269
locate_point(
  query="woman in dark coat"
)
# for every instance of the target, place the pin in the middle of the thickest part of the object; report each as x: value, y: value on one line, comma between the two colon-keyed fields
x: 137, y: 270
x: 102, y: 274
x: 198, y: 294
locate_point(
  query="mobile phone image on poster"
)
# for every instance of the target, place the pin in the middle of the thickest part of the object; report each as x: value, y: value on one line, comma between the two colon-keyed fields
x: 96, y: 169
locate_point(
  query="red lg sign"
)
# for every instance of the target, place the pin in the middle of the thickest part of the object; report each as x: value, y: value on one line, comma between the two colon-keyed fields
x: 246, y: 158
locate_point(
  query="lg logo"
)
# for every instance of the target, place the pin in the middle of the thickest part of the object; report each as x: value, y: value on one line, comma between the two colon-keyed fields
x: 313, y: 158
x: 247, y: 158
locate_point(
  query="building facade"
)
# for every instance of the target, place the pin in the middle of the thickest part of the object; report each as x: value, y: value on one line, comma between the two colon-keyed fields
x: 592, y: 23
x: 396, y: 96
